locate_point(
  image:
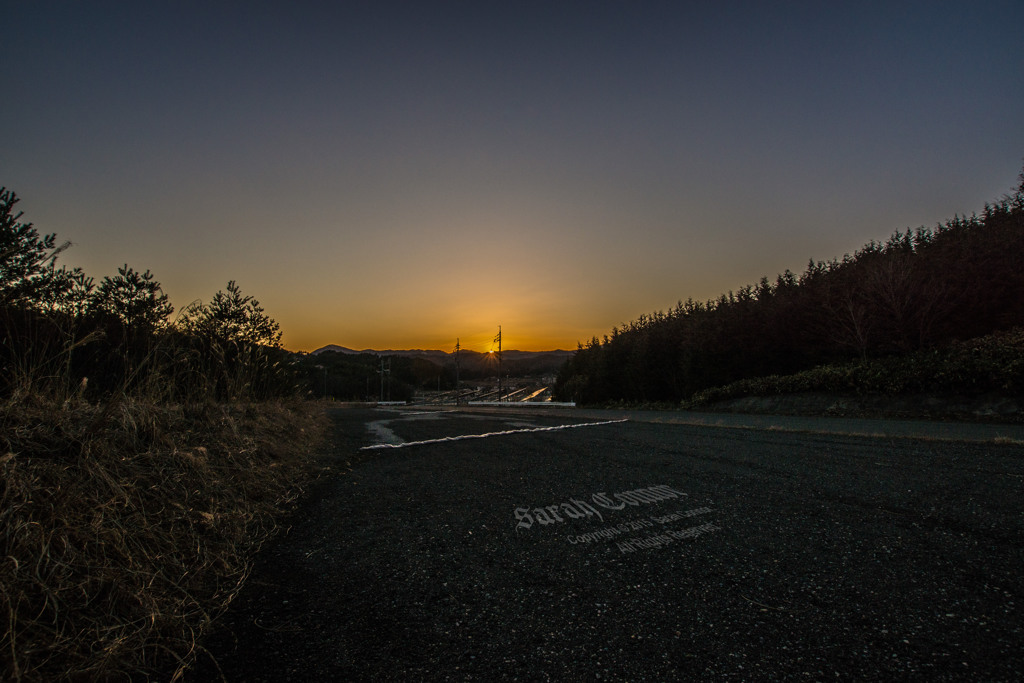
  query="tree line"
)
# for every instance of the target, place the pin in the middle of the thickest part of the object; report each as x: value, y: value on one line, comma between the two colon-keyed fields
x: 920, y: 289
x: 65, y: 335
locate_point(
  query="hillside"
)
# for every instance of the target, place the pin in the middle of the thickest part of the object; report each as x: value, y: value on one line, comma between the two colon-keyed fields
x: 920, y: 291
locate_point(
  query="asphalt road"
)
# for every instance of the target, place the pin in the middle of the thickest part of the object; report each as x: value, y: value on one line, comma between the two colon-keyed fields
x: 639, y: 551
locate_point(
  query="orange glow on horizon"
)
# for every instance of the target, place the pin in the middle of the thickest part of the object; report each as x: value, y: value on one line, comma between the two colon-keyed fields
x: 427, y: 320
x: 296, y: 339
x: 304, y: 343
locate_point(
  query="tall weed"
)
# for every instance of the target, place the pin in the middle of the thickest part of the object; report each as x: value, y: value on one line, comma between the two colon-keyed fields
x: 126, y: 531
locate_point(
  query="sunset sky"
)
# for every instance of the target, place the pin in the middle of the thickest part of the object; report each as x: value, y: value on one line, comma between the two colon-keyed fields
x: 398, y: 175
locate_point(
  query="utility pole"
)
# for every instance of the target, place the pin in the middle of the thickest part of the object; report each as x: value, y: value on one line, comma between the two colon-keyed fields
x: 382, y: 371
x: 498, y: 339
x: 456, y: 371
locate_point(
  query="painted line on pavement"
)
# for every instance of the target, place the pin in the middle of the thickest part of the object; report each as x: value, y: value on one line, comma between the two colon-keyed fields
x: 463, y: 437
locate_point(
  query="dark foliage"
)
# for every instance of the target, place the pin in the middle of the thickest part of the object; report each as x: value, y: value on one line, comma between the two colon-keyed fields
x: 992, y: 364
x: 921, y: 289
x: 369, y: 377
x: 64, y: 337
x: 27, y: 259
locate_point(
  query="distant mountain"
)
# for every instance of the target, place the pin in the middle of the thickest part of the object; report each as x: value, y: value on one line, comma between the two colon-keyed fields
x: 336, y: 349
x: 408, y: 353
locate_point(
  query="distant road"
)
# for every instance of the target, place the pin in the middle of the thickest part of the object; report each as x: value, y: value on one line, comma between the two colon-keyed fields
x: 651, y: 549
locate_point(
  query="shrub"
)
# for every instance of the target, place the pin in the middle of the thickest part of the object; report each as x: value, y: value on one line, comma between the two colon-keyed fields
x: 993, y: 363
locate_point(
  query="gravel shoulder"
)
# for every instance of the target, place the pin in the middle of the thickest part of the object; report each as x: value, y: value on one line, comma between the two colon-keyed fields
x: 749, y: 551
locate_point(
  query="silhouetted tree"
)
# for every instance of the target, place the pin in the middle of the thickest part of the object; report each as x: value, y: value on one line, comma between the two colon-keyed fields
x: 26, y: 258
x: 919, y: 289
x: 232, y: 318
x: 134, y: 299
x: 236, y: 346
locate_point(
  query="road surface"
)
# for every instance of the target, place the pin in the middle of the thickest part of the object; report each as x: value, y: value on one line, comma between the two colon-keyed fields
x: 641, y: 550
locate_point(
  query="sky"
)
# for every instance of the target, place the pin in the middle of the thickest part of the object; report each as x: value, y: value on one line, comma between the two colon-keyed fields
x: 404, y: 174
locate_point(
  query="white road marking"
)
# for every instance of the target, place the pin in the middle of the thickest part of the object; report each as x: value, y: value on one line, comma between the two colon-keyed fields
x: 463, y: 437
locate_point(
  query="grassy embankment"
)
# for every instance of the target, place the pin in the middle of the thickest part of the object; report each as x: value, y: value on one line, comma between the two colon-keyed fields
x: 989, y: 365
x: 143, y: 462
x: 127, y: 528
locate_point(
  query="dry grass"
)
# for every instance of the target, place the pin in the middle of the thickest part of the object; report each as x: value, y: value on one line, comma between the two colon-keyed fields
x: 125, y: 530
